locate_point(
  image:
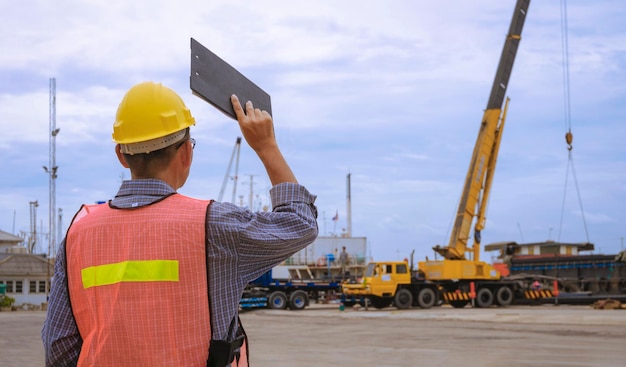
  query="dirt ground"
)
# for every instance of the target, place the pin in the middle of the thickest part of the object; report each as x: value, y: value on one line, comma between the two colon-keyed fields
x: 323, y: 335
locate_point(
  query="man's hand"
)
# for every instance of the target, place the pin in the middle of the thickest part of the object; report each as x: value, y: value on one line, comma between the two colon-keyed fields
x: 256, y: 125
x: 257, y: 128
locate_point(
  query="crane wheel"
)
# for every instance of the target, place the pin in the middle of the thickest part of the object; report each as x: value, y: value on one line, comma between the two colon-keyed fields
x: 403, y: 299
x: 504, y: 296
x: 426, y: 298
x: 484, y: 298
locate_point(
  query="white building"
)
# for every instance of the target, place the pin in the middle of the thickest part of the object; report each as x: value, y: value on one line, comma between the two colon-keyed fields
x: 25, y: 276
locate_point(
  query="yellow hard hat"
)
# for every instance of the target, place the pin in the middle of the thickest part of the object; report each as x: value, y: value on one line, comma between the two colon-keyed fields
x: 150, y: 117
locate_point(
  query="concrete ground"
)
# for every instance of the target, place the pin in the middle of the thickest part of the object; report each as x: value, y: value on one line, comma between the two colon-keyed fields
x: 323, y: 335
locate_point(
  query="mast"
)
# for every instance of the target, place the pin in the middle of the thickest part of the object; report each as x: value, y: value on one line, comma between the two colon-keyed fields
x: 51, y: 169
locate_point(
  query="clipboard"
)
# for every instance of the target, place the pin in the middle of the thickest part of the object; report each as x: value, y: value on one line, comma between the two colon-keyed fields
x: 214, y: 80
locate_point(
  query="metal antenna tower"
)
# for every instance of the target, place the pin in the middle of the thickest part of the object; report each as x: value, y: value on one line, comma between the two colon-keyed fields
x: 32, y: 238
x: 51, y: 169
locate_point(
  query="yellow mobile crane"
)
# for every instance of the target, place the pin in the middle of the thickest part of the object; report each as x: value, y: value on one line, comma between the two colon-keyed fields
x: 457, y: 278
x: 475, y: 194
x: 458, y: 275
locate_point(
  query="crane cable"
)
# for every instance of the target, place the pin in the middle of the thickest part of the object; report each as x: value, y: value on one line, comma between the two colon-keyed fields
x: 569, y: 137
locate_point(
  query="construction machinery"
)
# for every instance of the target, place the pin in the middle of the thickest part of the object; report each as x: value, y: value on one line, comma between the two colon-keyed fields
x: 475, y: 195
x: 459, y: 276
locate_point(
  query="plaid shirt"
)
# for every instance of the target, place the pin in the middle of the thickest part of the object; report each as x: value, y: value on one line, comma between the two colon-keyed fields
x: 242, y: 245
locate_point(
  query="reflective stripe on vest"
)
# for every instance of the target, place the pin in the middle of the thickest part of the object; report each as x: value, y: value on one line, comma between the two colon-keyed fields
x: 130, y: 271
x: 137, y: 284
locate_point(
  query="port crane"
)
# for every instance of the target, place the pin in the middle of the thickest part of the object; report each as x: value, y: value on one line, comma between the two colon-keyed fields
x: 234, y: 156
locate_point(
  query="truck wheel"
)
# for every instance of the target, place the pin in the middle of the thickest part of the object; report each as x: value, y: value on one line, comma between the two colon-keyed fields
x: 298, y: 300
x: 277, y: 301
x: 504, y: 296
x: 426, y: 298
x: 484, y: 298
x: 403, y: 299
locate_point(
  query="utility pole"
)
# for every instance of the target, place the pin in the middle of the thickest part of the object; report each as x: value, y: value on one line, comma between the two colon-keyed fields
x: 60, y: 228
x: 32, y: 239
x: 51, y: 169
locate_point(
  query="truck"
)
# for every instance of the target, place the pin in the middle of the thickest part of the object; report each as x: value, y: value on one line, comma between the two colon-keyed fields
x: 387, y: 282
x: 313, y: 274
x: 294, y: 292
x: 459, y: 276
x: 398, y: 283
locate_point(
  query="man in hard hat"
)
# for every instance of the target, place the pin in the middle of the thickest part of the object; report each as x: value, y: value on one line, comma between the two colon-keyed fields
x: 154, y: 278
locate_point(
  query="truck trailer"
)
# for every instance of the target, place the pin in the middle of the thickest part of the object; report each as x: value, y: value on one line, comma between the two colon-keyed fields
x: 293, y: 292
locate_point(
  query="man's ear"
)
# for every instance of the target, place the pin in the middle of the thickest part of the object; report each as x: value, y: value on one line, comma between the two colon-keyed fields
x: 186, y: 155
x: 120, y: 156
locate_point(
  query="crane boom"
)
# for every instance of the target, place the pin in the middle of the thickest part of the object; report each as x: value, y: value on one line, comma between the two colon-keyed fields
x: 235, y: 153
x: 477, y: 185
x: 507, y: 58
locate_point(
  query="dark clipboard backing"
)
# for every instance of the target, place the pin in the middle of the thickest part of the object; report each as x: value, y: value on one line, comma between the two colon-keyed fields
x: 214, y: 80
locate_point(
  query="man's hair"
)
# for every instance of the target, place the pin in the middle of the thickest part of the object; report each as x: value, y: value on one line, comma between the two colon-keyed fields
x: 147, y: 165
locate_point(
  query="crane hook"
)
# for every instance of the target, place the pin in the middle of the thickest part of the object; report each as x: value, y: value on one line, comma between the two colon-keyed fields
x: 569, y: 137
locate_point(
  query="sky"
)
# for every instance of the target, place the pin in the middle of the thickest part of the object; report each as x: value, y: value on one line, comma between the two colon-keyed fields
x: 391, y: 93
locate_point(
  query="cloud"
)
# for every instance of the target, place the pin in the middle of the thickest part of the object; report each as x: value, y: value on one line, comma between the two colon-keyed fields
x: 392, y: 92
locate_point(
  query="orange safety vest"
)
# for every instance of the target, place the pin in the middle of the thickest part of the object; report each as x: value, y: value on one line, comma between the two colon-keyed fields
x: 138, y: 286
